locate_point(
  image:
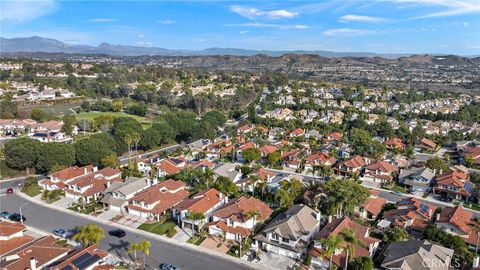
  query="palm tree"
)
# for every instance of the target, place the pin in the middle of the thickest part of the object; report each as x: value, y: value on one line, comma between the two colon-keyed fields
x: 349, y: 239
x: 47, y: 195
x: 332, y: 243
x: 89, y: 234
x: 476, y: 228
x: 134, y: 247
x: 253, y: 214
x: 195, y: 216
x: 144, y: 246
x: 283, y: 196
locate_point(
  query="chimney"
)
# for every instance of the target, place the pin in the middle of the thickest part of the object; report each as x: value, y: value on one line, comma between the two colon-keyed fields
x: 85, y: 170
x: 330, y: 218
x: 33, y: 264
x: 319, y: 215
x: 476, y: 261
x: 95, y: 169
x: 438, y: 217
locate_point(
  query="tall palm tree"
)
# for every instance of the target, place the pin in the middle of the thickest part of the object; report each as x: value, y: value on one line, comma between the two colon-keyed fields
x: 349, y: 239
x: 332, y: 243
x: 144, y: 246
x: 89, y: 234
x: 254, y: 214
x: 133, y: 248
x: 283, y: 196
x: 195, y: 216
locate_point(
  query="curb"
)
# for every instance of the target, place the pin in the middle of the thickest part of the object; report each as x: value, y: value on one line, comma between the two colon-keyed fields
x: 149, y: 234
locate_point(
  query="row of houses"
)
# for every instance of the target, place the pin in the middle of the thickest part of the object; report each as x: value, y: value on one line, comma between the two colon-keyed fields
x: 49, y: 131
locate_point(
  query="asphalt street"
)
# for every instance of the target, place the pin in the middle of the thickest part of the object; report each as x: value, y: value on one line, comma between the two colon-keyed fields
x: 47, y: 219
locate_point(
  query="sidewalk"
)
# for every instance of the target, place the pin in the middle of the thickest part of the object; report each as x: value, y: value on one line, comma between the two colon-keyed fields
x: 149, y: 234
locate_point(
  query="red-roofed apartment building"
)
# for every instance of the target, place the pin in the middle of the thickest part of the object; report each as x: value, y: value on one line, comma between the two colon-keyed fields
x: 58, y: 180
x: 158, y: 199
x: 90, y: 186
x: 381, y: 171
x: 458, y: 221
x: 204, y: 202
x: 453, y: 185
x: 235, y: 218
x: 350, y: 166
x: 339, y: 257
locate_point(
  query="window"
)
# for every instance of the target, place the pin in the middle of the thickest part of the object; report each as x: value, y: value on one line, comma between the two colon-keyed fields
x: 275, y: 236
x: 285, y: 240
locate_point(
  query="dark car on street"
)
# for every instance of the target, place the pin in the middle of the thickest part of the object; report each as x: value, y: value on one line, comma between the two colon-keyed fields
x: 17, y: 217
x: 117, y: 233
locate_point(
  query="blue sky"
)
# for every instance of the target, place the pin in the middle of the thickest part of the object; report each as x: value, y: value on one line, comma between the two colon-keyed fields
x: 383, y: 26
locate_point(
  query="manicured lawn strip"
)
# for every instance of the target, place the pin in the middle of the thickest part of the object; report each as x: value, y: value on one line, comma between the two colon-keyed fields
x: 92, y: 115
x: 160, y: 228
x: 88, y: 208
x: 196, y: 240
x: 32, y: 190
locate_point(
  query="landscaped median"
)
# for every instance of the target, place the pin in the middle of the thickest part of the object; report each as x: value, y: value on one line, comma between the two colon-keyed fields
x: 166, y: 228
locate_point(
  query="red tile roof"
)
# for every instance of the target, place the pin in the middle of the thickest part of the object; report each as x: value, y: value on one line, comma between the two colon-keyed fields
x: 92, y: 250
x: 382, y: 166
x: 428, y: 143
x: 237, y: 209
x: 201, y: 202
x: 457, y: 216
x: 168, y: 167
x: 355, y: 162
x: 220, y: 224
x: 374, y: 205
x: 8, y: 228
x: 267, y: 149
x: 72, y: 172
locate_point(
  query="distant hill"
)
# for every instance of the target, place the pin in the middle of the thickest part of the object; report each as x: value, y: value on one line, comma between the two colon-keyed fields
x: 40, y: 44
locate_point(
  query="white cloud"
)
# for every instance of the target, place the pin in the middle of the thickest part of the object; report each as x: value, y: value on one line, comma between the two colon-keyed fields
x: 254, y: 13
x: 102, y: 20
x: 165, y: 21
x: 24, y: 11
x: 269, y: 25
x: 141, y: 36
x: 243, y: 32
x: 450, y: 7
x: 199, y: 40
x: 347, y: 32
x: 361, y: 18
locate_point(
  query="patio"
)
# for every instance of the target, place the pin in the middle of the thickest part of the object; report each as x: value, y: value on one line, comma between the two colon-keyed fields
x: 213, y: 243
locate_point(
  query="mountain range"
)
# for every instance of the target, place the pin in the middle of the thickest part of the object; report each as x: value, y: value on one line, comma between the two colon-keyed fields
x: 48, y: 45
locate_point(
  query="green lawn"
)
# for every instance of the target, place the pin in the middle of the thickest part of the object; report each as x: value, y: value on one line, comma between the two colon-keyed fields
x: 88, y: 208
x: 160, y: 228
x: 196, y: 240
x: 32, y: 190
x: 7, y: 172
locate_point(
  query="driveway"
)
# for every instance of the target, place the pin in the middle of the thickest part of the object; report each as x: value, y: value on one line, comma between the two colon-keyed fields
x: 64, y: 202
x: 275, y: 261
x: 131, y: 221
x: 213, y: 242
x: 182, y: 234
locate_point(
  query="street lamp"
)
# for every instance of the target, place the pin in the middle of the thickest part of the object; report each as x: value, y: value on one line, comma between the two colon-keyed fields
x: 20, y: 209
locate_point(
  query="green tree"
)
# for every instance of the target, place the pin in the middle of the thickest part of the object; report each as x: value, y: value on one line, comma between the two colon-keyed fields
x: 69, y: 122
x: 284, y: 197
x: 394, y: 234
x: 216, y: 118
x: 196, y: 217
x: 89, y: 234
x: 360, y: 140
x: 38, y: 114
x: 361, y: 263
x: 343, y: 197
x: 254, y: 213
x: 226, y: 186
x: 274, y: 158
x: 22, y: 153
x: 55, y: 154
x: 437, y: 164
x: 150, y: 138
x: 122, y: 130
x: 8, y: 108
x: 350, y: 240
x: 93, y: 149
x: 110, y: 161
x: 251, y: 154
x: 331, y: 244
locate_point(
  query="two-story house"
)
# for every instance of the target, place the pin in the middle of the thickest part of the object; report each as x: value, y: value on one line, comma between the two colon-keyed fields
x: 453, y: 185
x: 290, y: 232
x: 458, y: 221
x: 425, y: 145
x: 372, y: 207
x: 90, y: 186
x: 58, y: 180
x: 204, y: 202
x: 350, y: 166
x: 381, y: 172
x: 241, y: 148
x: 394, y: 143
x: 317, y: 159
x: 238, y: 218
x: 339, y: 258
x: 411, y: 213
x: 417, y: 179
x: 116, y: 196
x: 158, y: 199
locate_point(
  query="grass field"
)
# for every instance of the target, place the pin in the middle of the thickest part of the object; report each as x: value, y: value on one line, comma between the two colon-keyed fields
x: 91, y: 115
x: 157, y: 228
x: 57, y: 109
